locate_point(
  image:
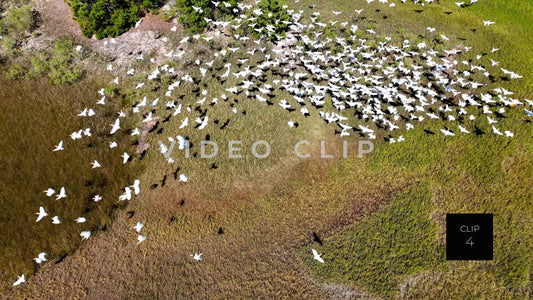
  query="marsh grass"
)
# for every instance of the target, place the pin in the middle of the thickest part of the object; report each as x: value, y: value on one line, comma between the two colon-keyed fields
x: 35, y: 116
x: 381, y: 218
x: 467, y: 173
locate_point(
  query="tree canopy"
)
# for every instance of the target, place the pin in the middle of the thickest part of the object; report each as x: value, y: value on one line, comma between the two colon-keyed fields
x: 109, y: 18
x: 192, y: 14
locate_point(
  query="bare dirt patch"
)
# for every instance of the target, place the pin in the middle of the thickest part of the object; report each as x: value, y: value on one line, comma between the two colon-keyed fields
x: 58, y: 21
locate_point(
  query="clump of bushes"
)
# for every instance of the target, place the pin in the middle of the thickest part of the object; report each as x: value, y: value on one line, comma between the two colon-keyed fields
x: 271, y: 13
x: 58, y: 65
x: 109, y: 18
x: 274, y: 14
x: 16, y: 23
x: 61, y: 67
x: 193, y: 18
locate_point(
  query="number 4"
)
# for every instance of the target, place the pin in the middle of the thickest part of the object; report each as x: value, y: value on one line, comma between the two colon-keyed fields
x: 470, y: 242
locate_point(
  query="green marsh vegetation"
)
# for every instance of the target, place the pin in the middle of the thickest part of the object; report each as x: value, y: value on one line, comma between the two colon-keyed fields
x: 459, y: 175
x: 58, y: 65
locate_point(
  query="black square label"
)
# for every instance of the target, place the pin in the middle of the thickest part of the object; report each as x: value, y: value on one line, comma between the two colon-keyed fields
x: 469, y: 237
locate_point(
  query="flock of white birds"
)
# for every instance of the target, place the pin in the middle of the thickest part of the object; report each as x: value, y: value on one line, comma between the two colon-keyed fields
x: 364, y: 87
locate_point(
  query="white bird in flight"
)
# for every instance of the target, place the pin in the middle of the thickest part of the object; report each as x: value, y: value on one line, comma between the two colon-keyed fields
x: 140, y: 239
x: 95, y: 164
x: 183, y: 178
x: 138, y: 226
x: 496, y: 130
x: 125, y: 157
x: 49, y: 192
x: 138, y: 23
x: 59, y: 147
x: 41, y: 214
x: 19, y: 280
x: 85, y: 235
x: 316, y: 256
x: 136, y: 186
x: 447, y: 132
x: 126, y: 195
x: 80, y: 220
x: 462, y: 129
x: 116, y: 126
x: 41, y: 257
x: 181, y: 142
x: 197, y: 256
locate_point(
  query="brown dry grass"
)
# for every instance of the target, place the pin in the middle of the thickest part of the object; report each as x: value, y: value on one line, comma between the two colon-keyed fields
x: 255, y: 257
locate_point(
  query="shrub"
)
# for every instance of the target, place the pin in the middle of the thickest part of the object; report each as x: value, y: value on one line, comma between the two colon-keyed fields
x: 104, y: 18
x: 62, y: 70
x: 15, y: 72
x: 64, y: 75
x: 194, y: 21
x: 273, y: 14
x: 14, y: 26
x: 59, y: 65
x: 18, y: 19
x: 8, y: 45
x: 39, y: 65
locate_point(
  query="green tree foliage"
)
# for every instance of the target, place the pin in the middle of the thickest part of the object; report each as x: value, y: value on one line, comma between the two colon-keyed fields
x: 194, y: 20
x: 273, y: 14
x: 109, y: 18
